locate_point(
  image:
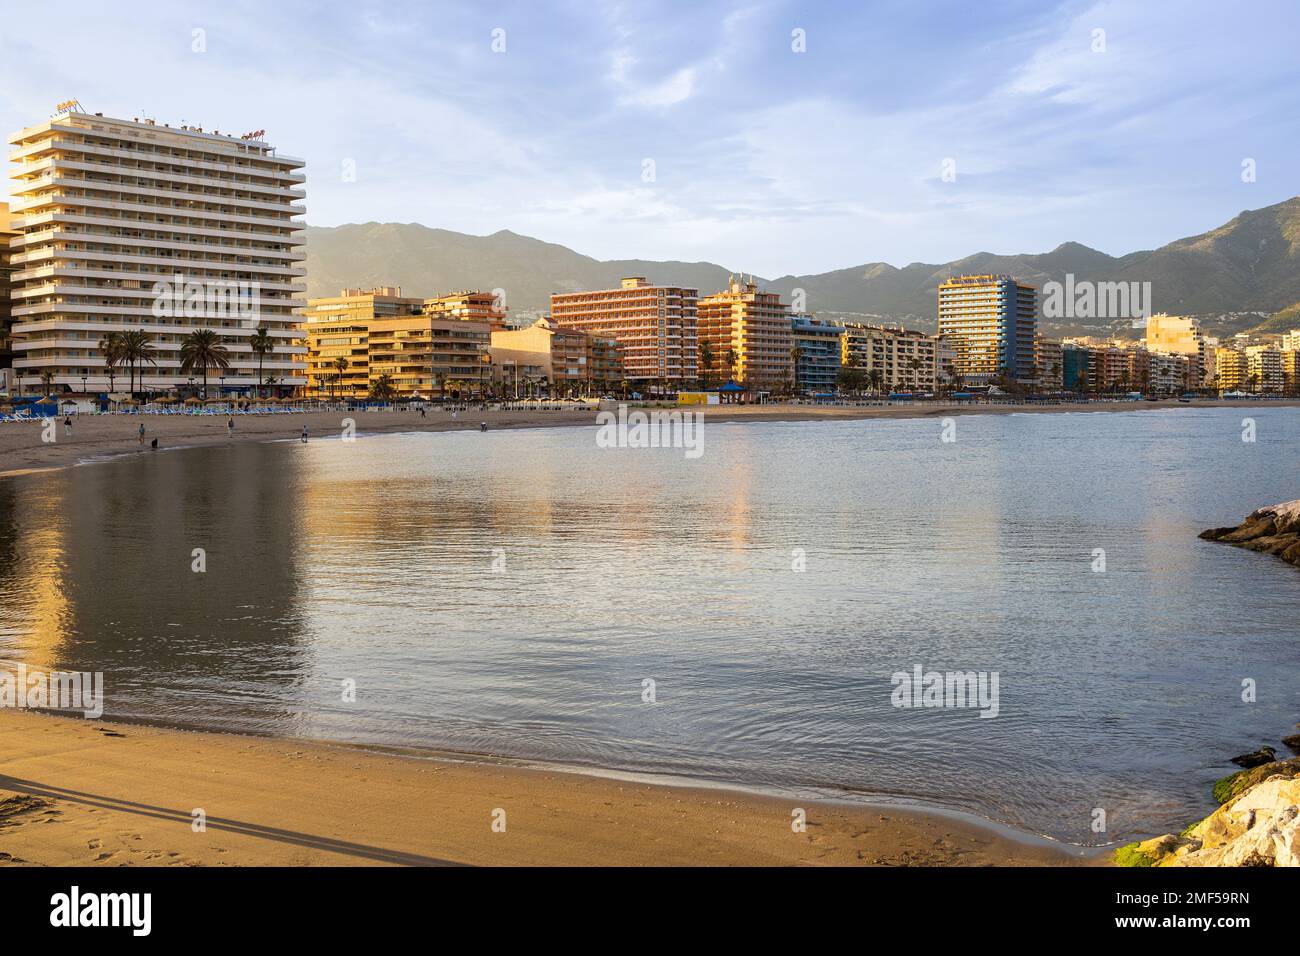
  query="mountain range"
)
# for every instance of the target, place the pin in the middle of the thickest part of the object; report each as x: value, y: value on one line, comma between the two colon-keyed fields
x: 1233, y: 277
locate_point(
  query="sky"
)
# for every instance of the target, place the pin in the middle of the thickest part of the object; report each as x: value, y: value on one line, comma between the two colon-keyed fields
x: 770, y: 137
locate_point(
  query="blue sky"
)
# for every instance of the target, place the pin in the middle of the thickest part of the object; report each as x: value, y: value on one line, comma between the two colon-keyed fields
x: 765, y: 160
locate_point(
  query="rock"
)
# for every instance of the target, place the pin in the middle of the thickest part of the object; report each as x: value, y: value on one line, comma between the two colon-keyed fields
x: 1260, y: 757
x: 1259, y: 828
x: 1273, y: 530
x: 1250, y: 531
x: 1293, y: 742
x: 1238, y: 783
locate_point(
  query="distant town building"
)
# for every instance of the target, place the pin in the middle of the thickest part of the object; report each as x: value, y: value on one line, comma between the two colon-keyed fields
x: 991, y: 322
x: 1264, y: 368
x: 1047, y: 361
x: 125, y: 225
x: 655, y: 327
x: 749, y: 335
x: 1181, y: 335
x: 472, y: 306
x: 817, y: 351
x: 1291, y: 371
x: 1291, y: 341
x: 1076, y: 361
x: 1232, y: 369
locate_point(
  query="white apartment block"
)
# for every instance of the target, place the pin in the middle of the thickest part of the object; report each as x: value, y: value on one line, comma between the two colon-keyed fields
x: 125, y: 225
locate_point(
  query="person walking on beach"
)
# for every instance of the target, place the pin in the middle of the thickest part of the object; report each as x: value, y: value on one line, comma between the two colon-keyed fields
x: 304, y: 434
x: 67, y: 426
x: 141, y: 433
x: 230, y: 426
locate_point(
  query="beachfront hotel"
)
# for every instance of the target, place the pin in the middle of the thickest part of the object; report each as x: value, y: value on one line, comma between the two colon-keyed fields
x: 6, y: 317
x: 655, y: 326
x: 990, y: 319
x: 425, y: 346
x: 749, y: 335
x: 126, y: 225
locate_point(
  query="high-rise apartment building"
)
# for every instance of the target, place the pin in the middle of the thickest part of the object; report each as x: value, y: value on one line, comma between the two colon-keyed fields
x: 817, y: 352
x: 990, y: 319
x: 1291, y: 341
x: 655, y: 326
x: 6, y: 319
x: 337, y: 332
x: 1181, y: 335
x: 1264, y: 372
x: 1291, y: 371
x: 127, y: 226
x: 1047, y: 362
x: 749, y: 335
x: 1232, y: 369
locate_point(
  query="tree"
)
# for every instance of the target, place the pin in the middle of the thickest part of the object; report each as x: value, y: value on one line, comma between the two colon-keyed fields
x: 47, y: 377
x: 850, y: 379
x: 383, y: 388
x: 262, y: 345
x: 340, y: 368
x: 110, y: 346
x: 705, y: 358
x: 732, y: 360
x: 202, y: 349
x: 137, y: 348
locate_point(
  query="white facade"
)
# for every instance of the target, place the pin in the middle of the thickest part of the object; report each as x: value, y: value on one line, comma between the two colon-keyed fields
x: 127, y: 225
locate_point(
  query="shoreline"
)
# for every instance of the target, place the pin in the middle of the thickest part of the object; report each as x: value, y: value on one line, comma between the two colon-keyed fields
x: 98, y: 438
x: 75, y: 792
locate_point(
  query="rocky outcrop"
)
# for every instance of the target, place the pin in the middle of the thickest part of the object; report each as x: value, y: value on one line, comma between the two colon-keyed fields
x: 1258, y: 824
x: 1273, y: 530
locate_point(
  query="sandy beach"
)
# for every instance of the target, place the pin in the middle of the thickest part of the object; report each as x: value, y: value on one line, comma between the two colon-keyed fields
x: 22, y: 450
x: 75, y: 792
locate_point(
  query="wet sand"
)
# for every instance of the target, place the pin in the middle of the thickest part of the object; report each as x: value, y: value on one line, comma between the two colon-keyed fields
x: 75, y: 792
x: 22, y: 450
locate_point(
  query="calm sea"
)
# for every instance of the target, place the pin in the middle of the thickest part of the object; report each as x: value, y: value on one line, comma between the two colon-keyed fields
x: 515, y: 593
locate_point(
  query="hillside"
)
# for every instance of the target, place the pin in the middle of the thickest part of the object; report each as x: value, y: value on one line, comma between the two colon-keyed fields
x: 1251, y: 263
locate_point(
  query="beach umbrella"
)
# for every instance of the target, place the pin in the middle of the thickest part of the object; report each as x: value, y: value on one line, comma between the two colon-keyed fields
x: 47, y: 400
x: 193, y: 401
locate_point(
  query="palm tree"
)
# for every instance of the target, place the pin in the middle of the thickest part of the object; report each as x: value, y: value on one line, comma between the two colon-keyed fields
x: 48, y: 378
x: 110, y: 346
x: 137, y: 348
x: 732, y: 359
x: 262, y: 345
x: 341, y: 366
x: 383, y: 388
x: 705, y: 358
x: 202, y: 349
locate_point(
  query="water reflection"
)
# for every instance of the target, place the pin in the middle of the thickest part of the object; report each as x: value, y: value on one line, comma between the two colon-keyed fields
x: 510, y: 592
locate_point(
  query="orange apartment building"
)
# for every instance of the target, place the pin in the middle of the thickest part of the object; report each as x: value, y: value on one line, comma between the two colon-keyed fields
x: 655, y: 326
x: 750, y: 335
